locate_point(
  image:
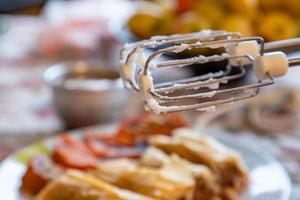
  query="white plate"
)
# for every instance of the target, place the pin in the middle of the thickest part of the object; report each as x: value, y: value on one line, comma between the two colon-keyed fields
x: 268, y: 179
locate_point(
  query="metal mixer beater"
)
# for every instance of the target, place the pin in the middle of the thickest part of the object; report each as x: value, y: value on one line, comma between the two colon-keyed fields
x: 206, y: 91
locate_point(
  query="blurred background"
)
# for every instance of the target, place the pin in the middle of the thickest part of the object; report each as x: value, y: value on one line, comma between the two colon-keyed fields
x: 59, y: 66
x: 59, y: 63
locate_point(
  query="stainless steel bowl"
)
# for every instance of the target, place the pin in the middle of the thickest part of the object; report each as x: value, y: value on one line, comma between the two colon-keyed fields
x: 86, y: 93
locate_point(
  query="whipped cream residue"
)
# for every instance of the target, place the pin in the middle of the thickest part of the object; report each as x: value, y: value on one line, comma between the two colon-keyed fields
x: 204, y: 59
x: 209, y: 94
x: 207, y: 109
x: 147, y: 86
x: 210, y: 83
x: 153, y: 105
x: 217, y: 45
x: 213, y: 86
x: 181, y: 48
x: 132, y: 59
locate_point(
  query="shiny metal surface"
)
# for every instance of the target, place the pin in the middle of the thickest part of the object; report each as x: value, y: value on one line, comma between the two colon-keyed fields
x: 86, y: 93
x: 194, y: 92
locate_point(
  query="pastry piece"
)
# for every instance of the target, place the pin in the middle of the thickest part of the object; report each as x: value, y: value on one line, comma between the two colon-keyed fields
x: 153, y: 157
x: 147, y: 181
x: 225, y: 163
x: 76, y: 185
x: 199, y: 177
x: 172, y: 166
x: 181, y: 170
x: 171, y: 179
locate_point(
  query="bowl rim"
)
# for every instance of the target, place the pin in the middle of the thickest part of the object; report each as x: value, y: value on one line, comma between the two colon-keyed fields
x: 60, y: 69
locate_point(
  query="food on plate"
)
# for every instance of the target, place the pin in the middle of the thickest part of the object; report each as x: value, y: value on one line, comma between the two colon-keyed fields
x: 153, y: 157
x: 217, y: 173
x: 71, y: 157
x: 207, y: 170
x: 181, y: 16
x: 142, y: 180
x: 73, y: 153
x: 224, y: 162
x: 128, y: 141
x: 175, y: 179
x: 81, y: 186
x: 148, y: 125
x: 170, y: 164
x: 41, y: 170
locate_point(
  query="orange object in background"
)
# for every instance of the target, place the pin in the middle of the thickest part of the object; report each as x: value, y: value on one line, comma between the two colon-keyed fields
x: 184, y: 5
x: 271, y: 19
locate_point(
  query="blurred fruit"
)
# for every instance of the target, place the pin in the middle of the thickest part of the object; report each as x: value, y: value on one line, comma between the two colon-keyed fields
x: 143, y: 24
x: 270, y: 18
x: 184, y: 5
x: 147, y: 21
x: 243, y: 7
x: 165, y: 25
x: 211, y: 9
x: 271, y: 4
x: 191, y: 22
x: 277, y: 26
x: 293, y: 6
x: 237, y: 23
x: 167, y: 4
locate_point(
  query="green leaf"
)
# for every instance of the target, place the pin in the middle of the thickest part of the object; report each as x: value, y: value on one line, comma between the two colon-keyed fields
x: 29, y: 152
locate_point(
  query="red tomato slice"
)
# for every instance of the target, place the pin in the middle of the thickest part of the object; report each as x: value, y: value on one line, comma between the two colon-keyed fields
x: 33, y: 181
x: 72, y: 157
x: 98, y: 148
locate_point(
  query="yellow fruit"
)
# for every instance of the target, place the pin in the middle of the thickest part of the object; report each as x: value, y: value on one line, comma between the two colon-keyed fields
x: 293, y: 6
x: 191, y: 22
x: 143, y: 24
x: 165, y: 25
x: 212, y: 10
x: 168, y: 4
x: 237, y: 23
x: 277, y: 26
x: 271, y: 4
x: 243, y: 7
